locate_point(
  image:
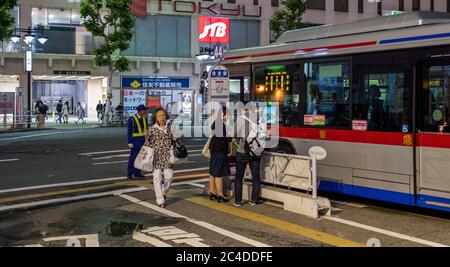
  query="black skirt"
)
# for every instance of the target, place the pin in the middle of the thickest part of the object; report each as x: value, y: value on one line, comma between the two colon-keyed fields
x: 219, y: 165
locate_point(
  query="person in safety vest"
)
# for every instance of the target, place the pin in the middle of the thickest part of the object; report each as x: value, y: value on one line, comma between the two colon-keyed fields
x: 137, y: 128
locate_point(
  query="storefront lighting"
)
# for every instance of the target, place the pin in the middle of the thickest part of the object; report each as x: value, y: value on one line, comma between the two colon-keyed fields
x: 29, y: 38
x: 202, y: 57
x: 42, y: 39
x: 15, y: 38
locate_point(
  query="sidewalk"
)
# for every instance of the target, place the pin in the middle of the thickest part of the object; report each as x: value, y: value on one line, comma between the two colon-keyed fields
x: 51, y: 124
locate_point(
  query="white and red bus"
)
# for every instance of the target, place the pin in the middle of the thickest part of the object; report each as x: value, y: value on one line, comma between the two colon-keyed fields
x: 373, y: 93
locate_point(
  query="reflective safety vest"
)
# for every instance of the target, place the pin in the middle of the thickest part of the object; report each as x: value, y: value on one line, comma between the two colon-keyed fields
x: 140, y: 133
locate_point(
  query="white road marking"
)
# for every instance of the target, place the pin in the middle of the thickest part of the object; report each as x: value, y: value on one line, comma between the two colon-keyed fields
x: 8, y: 160
x: 141, y: 237
x: 91, y: 240
x: 385, y: 232
x: 67, y: 199
x: 197, y: 185
x: 206, y: 225
x: 109, y: 162
x: 88, y: 181
x: 113, y: 156
x: 103, y: 152
x: 189, y: 182
x: 36, y: 135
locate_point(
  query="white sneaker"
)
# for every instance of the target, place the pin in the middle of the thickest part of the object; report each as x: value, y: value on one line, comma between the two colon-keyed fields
x: 237, y: 204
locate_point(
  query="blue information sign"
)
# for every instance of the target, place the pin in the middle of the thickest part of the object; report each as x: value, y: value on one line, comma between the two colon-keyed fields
x: 155, y: 82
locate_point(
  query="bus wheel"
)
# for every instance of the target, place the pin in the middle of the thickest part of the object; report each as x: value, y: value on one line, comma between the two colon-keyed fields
x: 284, y: 148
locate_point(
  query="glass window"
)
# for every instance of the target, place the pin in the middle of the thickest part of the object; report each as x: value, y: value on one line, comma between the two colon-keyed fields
x: 341, y: 5
x: 416, y: 5
x: 401, y: 5
x: 383, y: 100
x: 161, y: 35
x: 75, y: 17
x: 15, y: 12
x: 327, y: 94
x: 59, y: 16
x: 282, y: 84
x: 360, y: 6
x: 244, y: 33
x: 39, y: 16
x: 275, y: 3
x: 316, y: 4
x: 436, y: 107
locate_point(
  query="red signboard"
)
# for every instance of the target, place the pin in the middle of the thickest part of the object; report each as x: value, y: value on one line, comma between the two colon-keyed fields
x: 213, y: 30
x: 139, y: 8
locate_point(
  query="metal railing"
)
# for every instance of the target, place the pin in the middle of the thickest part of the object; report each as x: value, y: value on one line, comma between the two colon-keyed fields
x: 292, y: 171
x: 12, y: 122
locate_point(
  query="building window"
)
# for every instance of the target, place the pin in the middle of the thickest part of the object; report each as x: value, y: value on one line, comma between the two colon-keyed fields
x: 275, y: 3
x: 341, y: 5
x: 316, y: 4
x: 380, y: 9
x: 432, y: 5
x: 256, y: 2
x: 401, y: 5
x: 161, y: 36
x: 448, y: 6
x: 360, y: 6
x: 244, y: 33
x: 416, y: 5
x: 231, y: 1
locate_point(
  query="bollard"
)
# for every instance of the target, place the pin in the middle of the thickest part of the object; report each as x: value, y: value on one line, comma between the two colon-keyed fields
x: 4, y: 120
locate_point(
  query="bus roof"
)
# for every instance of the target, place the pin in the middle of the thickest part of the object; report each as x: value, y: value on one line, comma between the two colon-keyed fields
x: 411, y: 30
x: 364, y: 26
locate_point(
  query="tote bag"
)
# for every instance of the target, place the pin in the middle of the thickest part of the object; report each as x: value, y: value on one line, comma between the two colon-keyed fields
x: 206, y: 152
x: 144, y: 160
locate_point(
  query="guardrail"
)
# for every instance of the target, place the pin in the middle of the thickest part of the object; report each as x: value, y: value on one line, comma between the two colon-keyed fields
x: 9, y: 121
x: 292, y: 171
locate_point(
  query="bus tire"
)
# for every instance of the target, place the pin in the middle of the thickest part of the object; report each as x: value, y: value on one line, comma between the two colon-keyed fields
x: 284, y: 148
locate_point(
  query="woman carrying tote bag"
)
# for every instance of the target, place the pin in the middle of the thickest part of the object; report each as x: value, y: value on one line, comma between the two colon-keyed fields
x: 161, y: 139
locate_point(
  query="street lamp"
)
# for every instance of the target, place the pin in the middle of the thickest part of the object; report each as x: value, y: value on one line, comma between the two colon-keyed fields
x: 28, y: 38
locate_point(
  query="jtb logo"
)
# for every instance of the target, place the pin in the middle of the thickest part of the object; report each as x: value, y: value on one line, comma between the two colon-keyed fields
x: 213, y: 30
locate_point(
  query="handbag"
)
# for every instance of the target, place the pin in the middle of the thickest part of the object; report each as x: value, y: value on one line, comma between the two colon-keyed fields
x: 144, y: 160
x: 179, y: 150
x: 206, y: 152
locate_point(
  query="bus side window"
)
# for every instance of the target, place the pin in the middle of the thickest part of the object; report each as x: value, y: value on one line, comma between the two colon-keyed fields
x: 436, y: 99
x: 382, y: 100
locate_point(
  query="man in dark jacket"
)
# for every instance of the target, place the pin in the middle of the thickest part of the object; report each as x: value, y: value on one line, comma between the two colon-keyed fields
x: 43, y: 108
x: 59, y: 109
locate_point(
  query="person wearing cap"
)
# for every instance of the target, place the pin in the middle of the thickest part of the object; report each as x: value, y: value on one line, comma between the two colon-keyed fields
x: 137, y: 128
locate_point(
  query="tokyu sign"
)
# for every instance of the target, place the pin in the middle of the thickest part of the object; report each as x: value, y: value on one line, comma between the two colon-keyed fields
x: 213, y: 30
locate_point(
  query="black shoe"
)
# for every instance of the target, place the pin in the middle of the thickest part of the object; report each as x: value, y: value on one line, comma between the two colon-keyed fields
x: 130, y: 176
x: 165, y: 197
x: 221, y: 199
x: 212, y: 196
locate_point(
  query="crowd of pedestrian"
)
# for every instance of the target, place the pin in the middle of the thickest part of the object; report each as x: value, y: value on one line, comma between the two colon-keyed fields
x: 161, y: 140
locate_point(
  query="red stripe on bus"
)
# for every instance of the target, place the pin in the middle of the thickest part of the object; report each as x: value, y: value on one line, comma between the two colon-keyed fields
x: 367, y: 137
x: 434, y: 140
x: 331, y: 47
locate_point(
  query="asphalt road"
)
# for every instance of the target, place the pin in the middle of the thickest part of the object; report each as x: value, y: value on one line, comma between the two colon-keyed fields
x: 59, y: 156
x: 65, y: 187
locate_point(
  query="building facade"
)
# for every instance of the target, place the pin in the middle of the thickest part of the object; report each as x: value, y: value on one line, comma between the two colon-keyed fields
x: 163, y: 51
x: 339, y: 11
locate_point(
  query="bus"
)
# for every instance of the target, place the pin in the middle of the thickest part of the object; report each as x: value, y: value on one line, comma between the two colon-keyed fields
x: 374, y: 93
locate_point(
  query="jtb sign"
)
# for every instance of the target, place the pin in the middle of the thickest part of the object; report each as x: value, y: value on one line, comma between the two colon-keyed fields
x: 213, y: 30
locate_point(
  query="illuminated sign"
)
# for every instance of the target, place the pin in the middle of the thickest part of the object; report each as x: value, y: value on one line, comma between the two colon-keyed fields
x: 213, y: 8
x: 29, y: 61
x: 279, y: 80
x: 213, y: 30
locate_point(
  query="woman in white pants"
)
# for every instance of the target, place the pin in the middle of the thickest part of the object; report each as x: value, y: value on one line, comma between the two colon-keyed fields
x: 161, y: 139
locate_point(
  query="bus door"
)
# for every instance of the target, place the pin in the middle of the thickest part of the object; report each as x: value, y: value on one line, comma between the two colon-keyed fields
x: 433, y: 134
x: 239, y: 89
